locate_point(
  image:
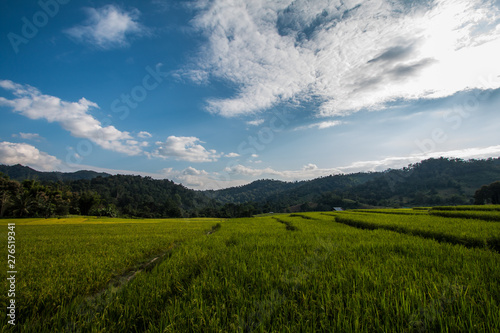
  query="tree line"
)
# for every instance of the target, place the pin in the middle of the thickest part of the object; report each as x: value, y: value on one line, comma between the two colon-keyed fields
x: 127, y: 196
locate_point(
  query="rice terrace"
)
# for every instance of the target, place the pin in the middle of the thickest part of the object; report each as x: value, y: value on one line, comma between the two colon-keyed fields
x: 382, y: 270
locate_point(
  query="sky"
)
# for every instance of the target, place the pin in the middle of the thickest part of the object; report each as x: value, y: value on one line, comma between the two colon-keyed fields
x: 218, y: 93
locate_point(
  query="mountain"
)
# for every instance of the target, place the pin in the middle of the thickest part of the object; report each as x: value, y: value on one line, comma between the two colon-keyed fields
x: 441, y: 181
x: 429, y: 182
x: 265, y: 190
x: 258, y: 191
x: 19, y: 172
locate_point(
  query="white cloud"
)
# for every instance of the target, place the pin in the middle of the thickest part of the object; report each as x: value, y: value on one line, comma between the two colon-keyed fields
x: 346, y: 55
x: 25, y: 154
x: 28, y: 136
x: 200, y: 179
x: 309, y: 171
x: 144, y: 135
x: 190, y: 171
x: 232, y: 155
x: 185, y: 148
x: 108, y: 27
x: 255, y: 122
x: 72, y: 116
x: 248, y: 171
x: 189, y: 177
x: 320, y: 125
x: 310, y: 167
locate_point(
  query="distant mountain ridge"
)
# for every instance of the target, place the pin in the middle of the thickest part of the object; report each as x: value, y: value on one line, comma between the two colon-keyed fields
x: 435, y: 181
x: 257, y: 191
x: 271, y: 190
x: 429, y: 182
x: 19, y: 172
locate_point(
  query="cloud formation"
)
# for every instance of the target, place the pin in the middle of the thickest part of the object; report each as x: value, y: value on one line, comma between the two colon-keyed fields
x: 108, y: 27
x: 185, y: 148
x: 255, y: 122
x: 345, y: 55
x: 28, y: 136
x: 308, y: 171
x: 72, y: 116
x: 144, y: 135
x: 320, y: 125
x: 25, y: 154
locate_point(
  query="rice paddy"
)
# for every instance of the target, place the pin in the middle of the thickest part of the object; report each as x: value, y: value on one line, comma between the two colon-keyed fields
x: 326, y: 272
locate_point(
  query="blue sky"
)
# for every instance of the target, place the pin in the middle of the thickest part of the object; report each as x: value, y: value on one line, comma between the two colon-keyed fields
x: 218, y: 93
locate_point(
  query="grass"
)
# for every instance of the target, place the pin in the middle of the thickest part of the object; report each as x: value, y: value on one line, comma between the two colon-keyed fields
x: 468, y: 232
x: 486, y: 215
x: 251, y: 275
x: 399, y: 211
x: 469, y: 208
x: 61, y: 259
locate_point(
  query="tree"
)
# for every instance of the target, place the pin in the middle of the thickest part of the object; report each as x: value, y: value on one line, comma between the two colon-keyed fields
x: 87, y: 201
x: 22, y: 204
x: 8, y: 190
x: 495, y: 193
x: 488, y: 194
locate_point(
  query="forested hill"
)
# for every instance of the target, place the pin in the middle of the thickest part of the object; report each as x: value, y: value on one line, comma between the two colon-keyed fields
x: 267, y: 190
x: 19, y: 172
x: 258, y: 191
x: 442, y: 181
x: 429, y: 182
x: 144, y: 196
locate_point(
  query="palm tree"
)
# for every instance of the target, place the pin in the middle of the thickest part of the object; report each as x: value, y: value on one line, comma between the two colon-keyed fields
x: 22, y: 204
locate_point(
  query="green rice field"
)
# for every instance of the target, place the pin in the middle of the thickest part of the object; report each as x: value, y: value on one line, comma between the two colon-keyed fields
x: 353, y: 271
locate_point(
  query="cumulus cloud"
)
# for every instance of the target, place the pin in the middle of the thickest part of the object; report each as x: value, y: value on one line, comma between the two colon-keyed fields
x: 185, y: 148
x: 108, y: 27
x: 72, y: 116
x: 248, y: 171
x: 232, y: 155
x: 25, y: 154
x: 345, y: 55
x: 200, y: 179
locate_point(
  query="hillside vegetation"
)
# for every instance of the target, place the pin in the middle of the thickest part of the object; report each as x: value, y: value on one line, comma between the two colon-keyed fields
x: 26, y: 192
x: 431, y: 182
